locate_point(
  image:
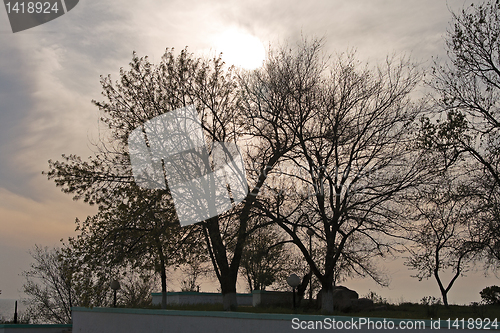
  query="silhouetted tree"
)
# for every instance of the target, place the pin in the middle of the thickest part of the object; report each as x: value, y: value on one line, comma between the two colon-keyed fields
x: 266, y: 258
x: 466, y: 128
x: 327, y: 146
x: 440, y: 216
x: 350, y: 130
x: 59, y: 279
x: 142, y: 93
x: 136, y: 228
x: 53, y: 285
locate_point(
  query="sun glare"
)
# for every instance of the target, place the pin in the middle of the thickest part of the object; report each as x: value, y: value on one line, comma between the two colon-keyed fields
x: 240, y: 49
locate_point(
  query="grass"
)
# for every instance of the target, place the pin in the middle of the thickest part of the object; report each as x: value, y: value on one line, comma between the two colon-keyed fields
x: 419, y: 311
x: 401, y: 311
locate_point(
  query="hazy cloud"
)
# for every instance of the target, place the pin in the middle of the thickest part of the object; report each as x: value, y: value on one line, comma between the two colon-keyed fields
x: 49, y: 75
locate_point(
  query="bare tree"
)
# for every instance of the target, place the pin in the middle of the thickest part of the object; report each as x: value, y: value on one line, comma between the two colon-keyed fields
x: 52, y: 300
x: 466, y: 129
x: 441, y: 216
x: 194, y: 262
x: 350, y: 129
x: 266, y: 258
x: 330, y: 141
x: 59, y: 280
x: 54, y: 285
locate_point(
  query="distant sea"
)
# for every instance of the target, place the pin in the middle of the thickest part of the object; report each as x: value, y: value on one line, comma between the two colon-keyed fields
x: 7, y: 308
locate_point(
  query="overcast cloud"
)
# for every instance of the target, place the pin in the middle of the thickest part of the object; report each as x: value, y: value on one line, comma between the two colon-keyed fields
x: 49, y: 75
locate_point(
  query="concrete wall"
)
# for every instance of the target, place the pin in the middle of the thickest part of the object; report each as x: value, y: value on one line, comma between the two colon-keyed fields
x: 256, y: 298
x: 22, y: 328
x: 116, y: 320
x: 188, y: 297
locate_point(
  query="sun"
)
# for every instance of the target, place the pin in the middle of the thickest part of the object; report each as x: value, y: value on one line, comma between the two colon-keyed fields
x: 240, y: 48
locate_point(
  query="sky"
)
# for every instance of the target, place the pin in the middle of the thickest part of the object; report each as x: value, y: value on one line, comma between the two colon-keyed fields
x: 49, y: 75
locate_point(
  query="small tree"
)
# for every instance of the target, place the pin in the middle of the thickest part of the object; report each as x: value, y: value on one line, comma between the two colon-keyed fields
x: 194, y: 262
x: 48, y: 287
x: 54, y: 285
x: 59, y: 279
x: 439, y: 227
x: 266, y: 258
x: 136, y: 287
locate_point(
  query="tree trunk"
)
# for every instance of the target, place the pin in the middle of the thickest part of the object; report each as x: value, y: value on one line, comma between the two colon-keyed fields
x: 163, y: 292
x: 163, y: 274
x: 327, y: 300
x: 226, y: 274
x: 228, y: 288
x: 445, y: 298
x: 327, y: 279
x: 229, y: 301
x: 301, y: 289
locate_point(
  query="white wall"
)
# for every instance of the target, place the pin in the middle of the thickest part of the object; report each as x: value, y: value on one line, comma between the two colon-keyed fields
x: 116, y: 320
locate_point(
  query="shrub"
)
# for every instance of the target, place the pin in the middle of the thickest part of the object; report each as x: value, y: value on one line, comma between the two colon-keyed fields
x: 431, y: 304
x: 491, y: 295
x: 376, y: 298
